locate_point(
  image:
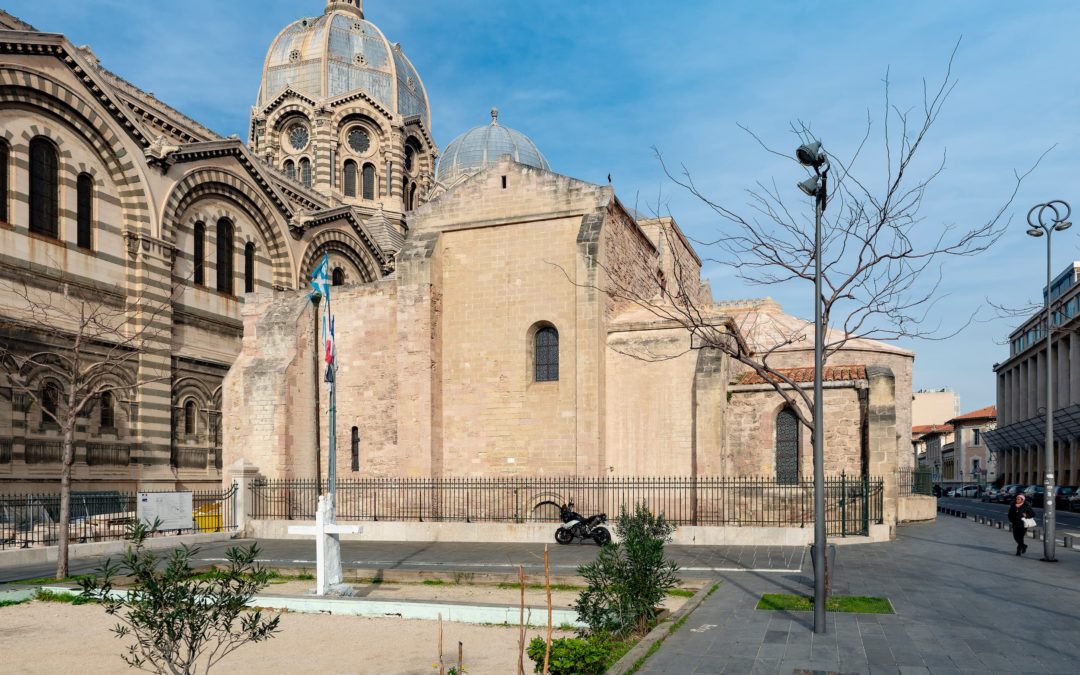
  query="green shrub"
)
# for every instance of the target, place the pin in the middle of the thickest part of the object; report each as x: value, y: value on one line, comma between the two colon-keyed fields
x: 182, y: 622
x: 572, y: 656
x: 630, y: 579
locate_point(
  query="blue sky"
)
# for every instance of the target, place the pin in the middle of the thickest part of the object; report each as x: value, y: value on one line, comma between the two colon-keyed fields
x: 598, y: 84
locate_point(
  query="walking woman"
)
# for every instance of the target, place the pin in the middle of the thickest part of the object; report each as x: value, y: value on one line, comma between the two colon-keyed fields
x: 1018, y: 513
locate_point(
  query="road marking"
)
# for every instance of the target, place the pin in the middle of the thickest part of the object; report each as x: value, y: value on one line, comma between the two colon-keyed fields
x: 702, y: 629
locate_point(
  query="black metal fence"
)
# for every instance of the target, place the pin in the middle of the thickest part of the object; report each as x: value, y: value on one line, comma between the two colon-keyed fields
x: 918, y: 481
x: 32, y: 519
x: 852, y: 504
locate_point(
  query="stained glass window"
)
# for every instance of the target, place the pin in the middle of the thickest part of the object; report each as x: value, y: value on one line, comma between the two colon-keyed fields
x: 787, y: 447
x: 44, y: 188
x: 305, y: 172
x: 298, y: 136
x: 547, y: 355
x: 350, y: 179
x: 369, y: 181
x: 200, y: 253
x: 290, y: 169
x: 359, y: 140
x: 84, y: 216
x: 249, y: 268
x: 225, y: 256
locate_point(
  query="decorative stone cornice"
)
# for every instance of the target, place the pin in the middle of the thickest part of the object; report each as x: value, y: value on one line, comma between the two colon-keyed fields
x: 157, y: 249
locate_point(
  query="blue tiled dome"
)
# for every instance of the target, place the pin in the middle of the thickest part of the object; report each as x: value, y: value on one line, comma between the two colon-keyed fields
x: 479, y: 148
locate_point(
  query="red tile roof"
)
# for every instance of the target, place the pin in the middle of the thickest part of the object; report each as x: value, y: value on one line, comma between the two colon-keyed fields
x: 987, y: 413
x: 832, y: 374
x: 923, y: 429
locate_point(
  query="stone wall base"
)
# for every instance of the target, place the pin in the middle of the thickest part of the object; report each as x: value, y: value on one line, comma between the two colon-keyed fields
x: 916, y: 508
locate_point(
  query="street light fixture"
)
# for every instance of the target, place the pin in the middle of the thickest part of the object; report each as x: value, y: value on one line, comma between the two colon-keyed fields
x: 1047, y: 219
x: 812, y: 155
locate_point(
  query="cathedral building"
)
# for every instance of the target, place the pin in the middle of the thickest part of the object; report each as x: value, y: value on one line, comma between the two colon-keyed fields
x: 478, y: 332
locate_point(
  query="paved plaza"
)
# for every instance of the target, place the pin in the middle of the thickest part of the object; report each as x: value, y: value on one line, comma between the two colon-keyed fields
x: 964, y: 604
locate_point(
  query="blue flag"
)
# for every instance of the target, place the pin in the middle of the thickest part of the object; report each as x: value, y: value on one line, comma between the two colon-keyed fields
x: 320, y: 278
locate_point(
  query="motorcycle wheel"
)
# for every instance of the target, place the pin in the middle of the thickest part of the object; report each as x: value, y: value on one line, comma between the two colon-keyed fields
x: 601, y: 536
x: 563, y: 536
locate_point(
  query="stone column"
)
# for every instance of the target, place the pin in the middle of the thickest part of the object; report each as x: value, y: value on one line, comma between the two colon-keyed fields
x: 1073, y: 376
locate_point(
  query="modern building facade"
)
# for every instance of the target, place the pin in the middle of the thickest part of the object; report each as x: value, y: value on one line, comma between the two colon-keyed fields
x: 1019, y: 440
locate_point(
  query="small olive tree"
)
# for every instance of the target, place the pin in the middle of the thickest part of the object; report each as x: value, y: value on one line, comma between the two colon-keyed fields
x: 629, y: 579
x: 182, y: 622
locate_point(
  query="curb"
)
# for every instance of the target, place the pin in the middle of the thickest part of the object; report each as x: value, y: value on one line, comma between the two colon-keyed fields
x: 629, y: 662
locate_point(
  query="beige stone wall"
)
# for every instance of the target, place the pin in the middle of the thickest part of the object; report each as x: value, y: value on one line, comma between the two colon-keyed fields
x: 751, y: 438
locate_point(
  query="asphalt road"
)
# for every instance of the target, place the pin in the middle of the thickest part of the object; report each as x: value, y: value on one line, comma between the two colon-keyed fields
x: 488, y: 559
x: 1068, y: 523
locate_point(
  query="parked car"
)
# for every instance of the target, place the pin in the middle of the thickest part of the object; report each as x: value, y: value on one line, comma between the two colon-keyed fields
x: 1062, y: 494
x: 950, y: 492
x: 1035, y: 494
x: 990, y: 494
x: 968, y: 491
x: 1074, y: 500
x: 1009, y: 492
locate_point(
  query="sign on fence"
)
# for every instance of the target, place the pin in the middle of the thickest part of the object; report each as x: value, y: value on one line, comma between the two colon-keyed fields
x: 173, y: 509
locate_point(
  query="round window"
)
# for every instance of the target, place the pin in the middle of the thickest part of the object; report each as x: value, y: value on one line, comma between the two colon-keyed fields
x: 298, y: 136
x: 359, y: 140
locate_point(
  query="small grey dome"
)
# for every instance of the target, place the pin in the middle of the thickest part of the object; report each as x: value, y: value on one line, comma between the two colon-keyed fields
x: 479, y: 148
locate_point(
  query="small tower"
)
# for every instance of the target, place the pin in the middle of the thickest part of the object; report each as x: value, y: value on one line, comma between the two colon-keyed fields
x: 354, y: 6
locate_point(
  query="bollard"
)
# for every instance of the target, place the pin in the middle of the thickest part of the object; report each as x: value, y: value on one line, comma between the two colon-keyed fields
x: 998, y: 523
x: 1068, y: 543
x: 964, y: 515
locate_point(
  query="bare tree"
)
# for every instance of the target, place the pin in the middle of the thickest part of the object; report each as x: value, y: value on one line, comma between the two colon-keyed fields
x: 881, y: 263
x: 92, y: 346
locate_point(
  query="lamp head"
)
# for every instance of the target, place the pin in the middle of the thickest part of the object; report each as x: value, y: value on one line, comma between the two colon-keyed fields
x: 1062, y: 226
x: 1036, y: 232
x: 810, y: 154
x: 811, y: 186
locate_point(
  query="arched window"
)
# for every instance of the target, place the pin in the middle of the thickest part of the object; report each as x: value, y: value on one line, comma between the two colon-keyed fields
x: 44, y: 188
x: 350, y: 178
x: 412, y: 197
x: 355, y: 449
x: 369, y: 181
x: 4, y: 161
x: 84, y: 215
x: 305, y: 172
x: 787, y: 447
x: 337, y: 277
x: 108, y: 417
x: 405, y: 193
x: 225, y: 256
x: 249, y: 267
x: 189, y: 418
x: 547, y: 355
x: 50, y: 402
x: 410, y: 158
x: 199, y: 254
x: 290, y: 169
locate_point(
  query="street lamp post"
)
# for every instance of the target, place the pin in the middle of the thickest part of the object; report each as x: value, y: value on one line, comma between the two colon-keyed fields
x: 1046, y: 219
x: 812, y: 155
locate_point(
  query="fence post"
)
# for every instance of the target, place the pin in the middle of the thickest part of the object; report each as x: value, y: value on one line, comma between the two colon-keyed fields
x: 843, y: 504
x: 866, y: 504
x: 243, y: 473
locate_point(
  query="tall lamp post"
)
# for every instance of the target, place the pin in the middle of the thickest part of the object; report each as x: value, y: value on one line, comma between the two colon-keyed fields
x: 813, y: 156
x: 1046, y: 219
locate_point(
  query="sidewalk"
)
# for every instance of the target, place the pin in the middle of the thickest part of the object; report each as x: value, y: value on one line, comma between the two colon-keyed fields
x: 964, y: 604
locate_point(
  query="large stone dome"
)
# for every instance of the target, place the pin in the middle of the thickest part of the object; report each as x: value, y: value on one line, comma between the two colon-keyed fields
x: 479, y: 148
x: 338, y: 53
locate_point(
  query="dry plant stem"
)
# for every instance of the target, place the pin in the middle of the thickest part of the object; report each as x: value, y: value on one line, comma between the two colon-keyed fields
x: 547, y: 584
x: 460, y: 657
x: 521, y: 631
x: 442, y: 666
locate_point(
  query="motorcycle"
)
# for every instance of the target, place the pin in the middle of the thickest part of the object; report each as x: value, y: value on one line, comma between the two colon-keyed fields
x: 576, y: 526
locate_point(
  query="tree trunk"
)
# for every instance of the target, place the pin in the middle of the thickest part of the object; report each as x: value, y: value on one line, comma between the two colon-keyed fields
x: 65, y: 500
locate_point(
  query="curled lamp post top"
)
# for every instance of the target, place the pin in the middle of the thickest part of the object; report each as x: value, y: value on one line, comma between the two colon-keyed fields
x: 1053, y: 215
